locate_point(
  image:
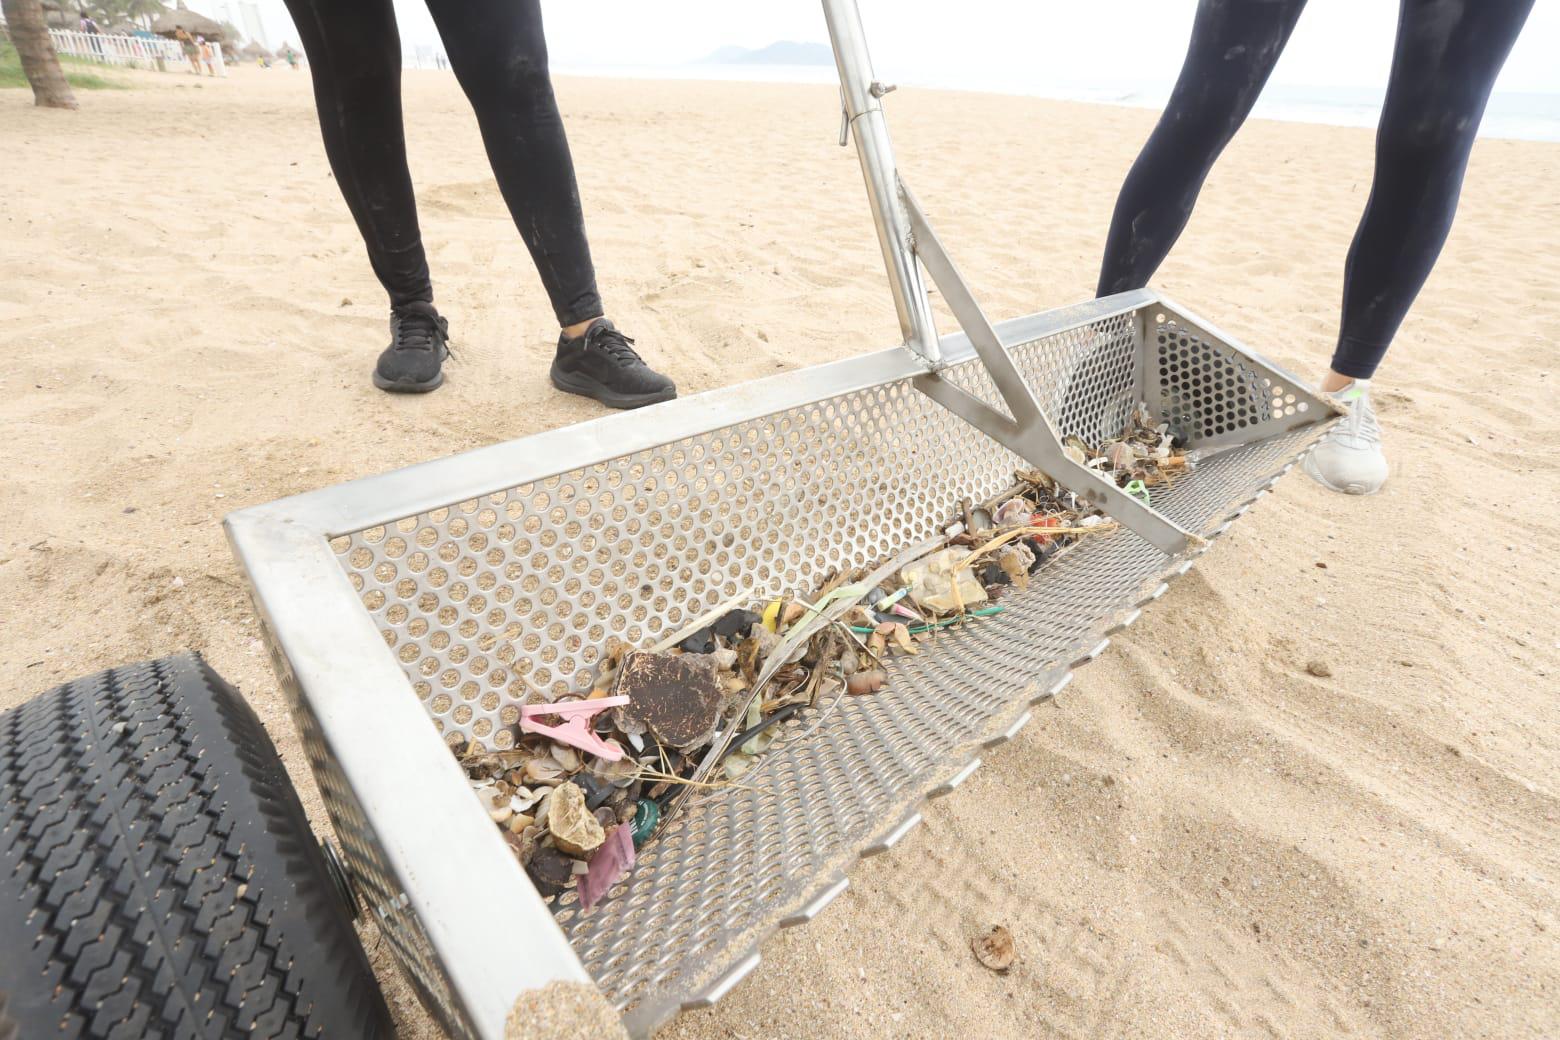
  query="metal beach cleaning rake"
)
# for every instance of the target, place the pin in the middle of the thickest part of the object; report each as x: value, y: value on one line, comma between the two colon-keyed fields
x: 415, y: 611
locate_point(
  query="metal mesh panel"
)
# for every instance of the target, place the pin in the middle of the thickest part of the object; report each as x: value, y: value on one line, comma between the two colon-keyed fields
x: 488, y: 602
x: 1215, y: 395
x: 382, y: 897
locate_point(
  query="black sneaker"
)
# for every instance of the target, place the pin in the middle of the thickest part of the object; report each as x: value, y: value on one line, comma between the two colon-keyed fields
x: 419, y: 342
x: 602, y: 364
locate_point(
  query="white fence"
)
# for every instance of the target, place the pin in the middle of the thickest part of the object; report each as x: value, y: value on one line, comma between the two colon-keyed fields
x: 134, y: 51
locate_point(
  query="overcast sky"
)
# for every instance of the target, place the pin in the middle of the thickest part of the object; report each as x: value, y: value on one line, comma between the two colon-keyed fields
x: 1344, y: 43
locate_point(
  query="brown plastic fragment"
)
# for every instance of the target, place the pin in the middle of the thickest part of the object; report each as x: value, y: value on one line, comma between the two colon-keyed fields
x: 676, y: 697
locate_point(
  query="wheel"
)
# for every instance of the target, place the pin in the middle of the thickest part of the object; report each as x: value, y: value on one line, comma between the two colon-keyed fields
x: 158, y: 876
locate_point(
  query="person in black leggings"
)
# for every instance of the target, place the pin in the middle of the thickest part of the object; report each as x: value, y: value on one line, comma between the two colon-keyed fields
x: 1447, y: 56
x: 499, y: 55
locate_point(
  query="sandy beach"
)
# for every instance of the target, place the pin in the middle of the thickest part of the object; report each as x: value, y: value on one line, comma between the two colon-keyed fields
x: 1199, y: 838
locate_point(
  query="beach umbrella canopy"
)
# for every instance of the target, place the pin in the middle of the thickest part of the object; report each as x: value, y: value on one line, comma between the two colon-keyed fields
x: 193, y: 21
x: 254, y: 50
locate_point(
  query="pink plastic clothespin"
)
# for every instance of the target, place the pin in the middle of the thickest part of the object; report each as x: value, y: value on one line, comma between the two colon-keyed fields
x: 575, y: 730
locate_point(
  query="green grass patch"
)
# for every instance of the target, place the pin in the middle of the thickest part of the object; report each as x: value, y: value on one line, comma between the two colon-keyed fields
x: 80, y: 73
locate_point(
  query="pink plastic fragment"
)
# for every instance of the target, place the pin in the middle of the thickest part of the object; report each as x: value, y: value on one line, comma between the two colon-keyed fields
x: 575, y: 729
x: 611, y: 862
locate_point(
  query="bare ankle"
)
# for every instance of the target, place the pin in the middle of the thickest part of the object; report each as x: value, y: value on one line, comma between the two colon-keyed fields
x: 1332, y: 382
x: 577, y: 330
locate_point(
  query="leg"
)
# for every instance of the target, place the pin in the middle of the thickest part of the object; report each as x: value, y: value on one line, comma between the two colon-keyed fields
x: 1447, y: 57
x: 499, y: 55
x: 355, y: 59
x: 1235, y: 44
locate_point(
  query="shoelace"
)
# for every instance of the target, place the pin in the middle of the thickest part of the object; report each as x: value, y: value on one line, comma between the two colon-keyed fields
x: 1362, y: 428
x: 613, y: 343
x: 420, y: 332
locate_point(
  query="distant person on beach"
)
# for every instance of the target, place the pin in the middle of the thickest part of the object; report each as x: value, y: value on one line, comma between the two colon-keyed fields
x: 499, y: 55
x: 1447, y: 56
x: 187, y: 43
x: 205, y: 54
x: 90, y: 27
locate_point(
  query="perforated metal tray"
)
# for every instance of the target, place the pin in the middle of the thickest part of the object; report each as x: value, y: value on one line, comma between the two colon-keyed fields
x: 419, y: 608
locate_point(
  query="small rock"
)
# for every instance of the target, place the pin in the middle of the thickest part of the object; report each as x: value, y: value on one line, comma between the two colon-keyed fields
x: 346, y: 301
x: 1319, y: 668
x: 995, y: 949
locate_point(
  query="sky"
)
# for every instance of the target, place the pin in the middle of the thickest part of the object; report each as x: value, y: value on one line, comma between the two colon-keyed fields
x: 982, y: 44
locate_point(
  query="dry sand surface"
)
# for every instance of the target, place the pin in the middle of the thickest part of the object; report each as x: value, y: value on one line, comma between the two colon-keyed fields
x: 1198, y: 839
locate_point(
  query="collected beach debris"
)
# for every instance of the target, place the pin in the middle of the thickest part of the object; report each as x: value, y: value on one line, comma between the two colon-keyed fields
x: 593, y: 775
x: 995, y: 948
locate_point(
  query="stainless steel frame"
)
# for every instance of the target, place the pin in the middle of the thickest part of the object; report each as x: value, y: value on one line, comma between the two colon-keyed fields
x: 417, y: 608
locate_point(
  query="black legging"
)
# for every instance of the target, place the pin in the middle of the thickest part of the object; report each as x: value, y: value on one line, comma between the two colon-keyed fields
x: 1447, y: 56
x: 500, y: 58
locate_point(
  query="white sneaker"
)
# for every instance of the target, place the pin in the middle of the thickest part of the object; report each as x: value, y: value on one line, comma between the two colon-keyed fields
x: 1349, y: 459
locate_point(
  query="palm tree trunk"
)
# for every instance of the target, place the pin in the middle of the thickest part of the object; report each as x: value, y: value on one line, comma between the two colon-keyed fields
x: 30, y: 36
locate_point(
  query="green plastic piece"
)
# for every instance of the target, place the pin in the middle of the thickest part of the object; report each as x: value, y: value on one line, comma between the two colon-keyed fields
x: 647, y: 814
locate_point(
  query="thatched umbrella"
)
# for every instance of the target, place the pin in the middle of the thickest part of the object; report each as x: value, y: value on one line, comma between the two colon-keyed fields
x: 254, y: 50
x: 194, y: 22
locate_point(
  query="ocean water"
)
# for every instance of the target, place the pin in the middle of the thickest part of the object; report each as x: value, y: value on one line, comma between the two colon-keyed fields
x: 1528, y: 117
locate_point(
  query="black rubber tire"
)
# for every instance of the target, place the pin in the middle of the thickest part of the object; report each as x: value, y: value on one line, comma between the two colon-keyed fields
x: 158, y: 876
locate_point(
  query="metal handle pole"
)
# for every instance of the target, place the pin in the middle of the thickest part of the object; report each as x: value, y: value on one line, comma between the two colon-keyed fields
x: 860, y: 93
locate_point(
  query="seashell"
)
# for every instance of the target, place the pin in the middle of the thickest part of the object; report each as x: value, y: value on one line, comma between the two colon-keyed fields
x: 526, y: 797
x: 1121, y: 455
x: 870, y: 681
x: 573, y: 828
x: 619, y: 774
x: 995, y: 949
x: 545, y: 770
x: 1013, y: 511
x: 567, y: 758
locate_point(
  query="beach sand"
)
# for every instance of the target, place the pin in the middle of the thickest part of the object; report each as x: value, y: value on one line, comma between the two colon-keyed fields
x: 1197, y: 839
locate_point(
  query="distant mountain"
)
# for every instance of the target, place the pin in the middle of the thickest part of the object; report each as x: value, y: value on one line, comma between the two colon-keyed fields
x: 786, y: 52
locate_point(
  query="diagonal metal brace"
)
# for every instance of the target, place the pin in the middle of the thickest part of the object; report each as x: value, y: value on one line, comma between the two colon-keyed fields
x: 1028, y: 433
